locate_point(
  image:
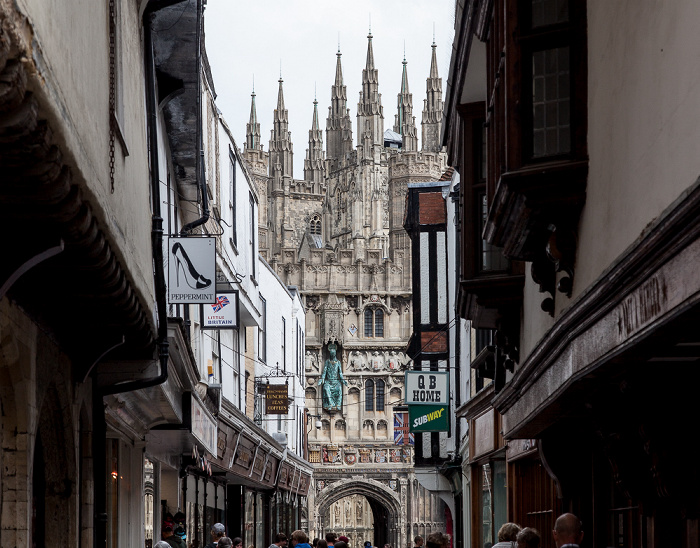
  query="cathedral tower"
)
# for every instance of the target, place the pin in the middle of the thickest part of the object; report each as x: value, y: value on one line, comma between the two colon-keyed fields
x: 405, y: 122
x: 432, y: 109
x: 338, y: 237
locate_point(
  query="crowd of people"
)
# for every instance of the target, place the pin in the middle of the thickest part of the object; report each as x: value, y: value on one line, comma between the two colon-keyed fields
x: 174, y: 536
x: 567, y: 533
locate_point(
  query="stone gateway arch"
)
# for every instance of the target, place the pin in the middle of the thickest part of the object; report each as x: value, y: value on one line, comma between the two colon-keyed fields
x: 386, y: 506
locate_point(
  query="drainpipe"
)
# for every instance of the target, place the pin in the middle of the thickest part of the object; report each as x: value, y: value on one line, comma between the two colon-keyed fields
x: 201, y: 176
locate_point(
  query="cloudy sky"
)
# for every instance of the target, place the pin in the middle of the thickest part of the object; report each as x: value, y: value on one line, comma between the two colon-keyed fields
x: 249, y: 41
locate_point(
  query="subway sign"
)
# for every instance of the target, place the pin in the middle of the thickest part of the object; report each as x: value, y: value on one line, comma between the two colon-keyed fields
x: 428, y: 400
x: 428, y: 418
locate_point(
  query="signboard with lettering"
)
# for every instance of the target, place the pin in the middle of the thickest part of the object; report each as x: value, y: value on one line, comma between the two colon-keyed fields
x: 191, y: 270
x: 428, y: 400
x: 428, y: 418
x: 276, y: 399
x: 223, y: 314
x: 427, y: 388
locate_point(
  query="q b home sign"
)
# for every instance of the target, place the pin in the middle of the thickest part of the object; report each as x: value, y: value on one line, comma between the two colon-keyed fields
x: 192, y: 270
x: 428, y: 400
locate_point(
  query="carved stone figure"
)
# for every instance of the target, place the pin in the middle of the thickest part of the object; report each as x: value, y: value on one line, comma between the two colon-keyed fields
x: 310, y: 361
x: 331, y: 379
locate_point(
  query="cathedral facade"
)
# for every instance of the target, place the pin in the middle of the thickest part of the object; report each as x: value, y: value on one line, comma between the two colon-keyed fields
x: 337, y: 235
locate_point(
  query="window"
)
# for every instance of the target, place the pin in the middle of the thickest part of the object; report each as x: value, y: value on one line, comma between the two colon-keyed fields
x: 379, y: 323
x: 369, y: 322
x: 236, y: 363
x: 374, y: 322
x: 380, y: 395
x: 369, y: 395
x: 284, y: 336
x: 262, y: 336
x: 251, y: 241
x: 232, y: 196
x: 315, y: 231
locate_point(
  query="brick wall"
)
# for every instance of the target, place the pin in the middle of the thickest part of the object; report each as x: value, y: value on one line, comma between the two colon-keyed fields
x: 432, y: 208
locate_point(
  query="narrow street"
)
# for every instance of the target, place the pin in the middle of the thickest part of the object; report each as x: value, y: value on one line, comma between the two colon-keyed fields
x: 468, y: 321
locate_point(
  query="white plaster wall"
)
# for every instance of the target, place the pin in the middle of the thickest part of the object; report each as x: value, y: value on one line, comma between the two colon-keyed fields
x: 281, y: 303
x: 643, y: 112
x: 536, y: 322
x: 71, y: 84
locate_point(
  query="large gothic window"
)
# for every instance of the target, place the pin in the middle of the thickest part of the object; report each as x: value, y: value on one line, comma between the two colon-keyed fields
x: 380, y: 395
x: 374, y: 322
x: 369, y: 395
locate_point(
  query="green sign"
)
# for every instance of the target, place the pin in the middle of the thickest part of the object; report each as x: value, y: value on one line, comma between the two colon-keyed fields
x: 428, y: 418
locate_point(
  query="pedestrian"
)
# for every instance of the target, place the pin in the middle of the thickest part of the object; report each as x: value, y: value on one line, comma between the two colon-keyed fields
x: 437, y: 540
x: 217, y: 532
x: 280, y: 541
x: 341, y: 544
x: 237, y: 542
x: 507, y: 535
x: 315, y: 542
x: 387, y: 546
x: 175, y: 541
x: 161, y: 544
x: 330, y: 539
x: 300, y: 539
x: 568, y: 531
x: 344, y: 539
x: 528, y: 538
x: 321, y: 544
x: 418, y: 542
x: 224, y: 542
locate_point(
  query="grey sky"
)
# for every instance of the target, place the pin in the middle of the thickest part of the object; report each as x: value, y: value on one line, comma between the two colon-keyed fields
x: 246, y: 39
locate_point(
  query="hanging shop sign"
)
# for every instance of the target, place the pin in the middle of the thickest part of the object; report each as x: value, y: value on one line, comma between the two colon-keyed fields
x: 428, y: 400
x: 203, y: 426
x: 223, y: 313
x: 191, y: 270
x: 277, y: 399
x: 428, y: 418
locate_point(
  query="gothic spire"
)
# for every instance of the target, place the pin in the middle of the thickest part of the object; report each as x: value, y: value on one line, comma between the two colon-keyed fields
x: 338, y: 125
x: 432, y: 108
x: 370, y: 113
x: 314, y: 161
x: 252, y: 135
x: 281, y: 153
x: 370, y: 53
x: 338, y: 70
x: 433, y: 62
x: 405, y: 123
x: 280, y: 96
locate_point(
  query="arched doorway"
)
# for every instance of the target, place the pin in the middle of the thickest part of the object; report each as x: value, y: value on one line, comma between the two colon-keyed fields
x: 384, y: 505
x: 352, y: 516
